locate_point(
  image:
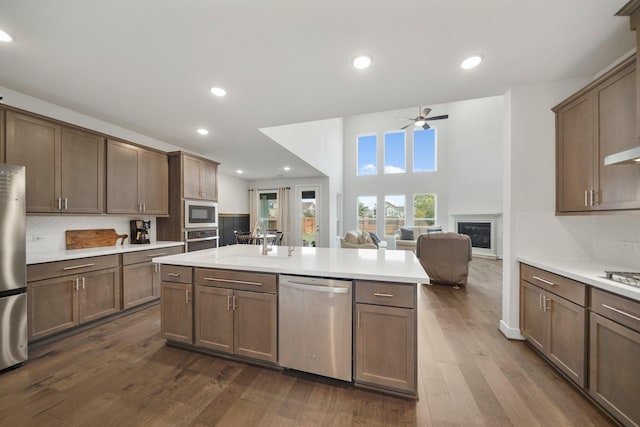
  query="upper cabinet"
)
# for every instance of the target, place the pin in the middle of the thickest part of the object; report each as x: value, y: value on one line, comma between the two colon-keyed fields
x: 199, y: 177
x: 137, y: 180
x: 593, y: 123
x: 64, y: 166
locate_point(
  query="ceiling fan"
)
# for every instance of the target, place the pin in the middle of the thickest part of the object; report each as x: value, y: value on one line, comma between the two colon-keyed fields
x: 422, y: 119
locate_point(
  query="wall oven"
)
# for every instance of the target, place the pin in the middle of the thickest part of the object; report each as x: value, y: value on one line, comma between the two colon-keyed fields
x: 197, y: 240
x: 200, y: 214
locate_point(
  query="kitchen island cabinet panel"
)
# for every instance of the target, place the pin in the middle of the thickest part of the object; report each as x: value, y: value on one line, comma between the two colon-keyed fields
x: 385, y: 347
x: 176, y: 315
x: 256, y: 327
x: 214, y: 318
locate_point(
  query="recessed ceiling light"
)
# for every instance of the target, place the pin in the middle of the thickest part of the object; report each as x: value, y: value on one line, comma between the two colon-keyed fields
x: 218, y: 91
x: 287, y: 168
x: 362, y: 62
x: 239, y: 171
x: 4, y: 37
x: 471, y: 62
x: 202, y: 131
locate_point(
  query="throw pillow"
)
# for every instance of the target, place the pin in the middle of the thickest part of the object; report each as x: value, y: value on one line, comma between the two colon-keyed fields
x: 406, y: 234
x: 351, y: 237
x: 375, y: 239
x: 364, y: 238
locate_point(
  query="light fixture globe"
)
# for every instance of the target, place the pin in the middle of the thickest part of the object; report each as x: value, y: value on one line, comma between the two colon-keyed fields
x: 218, y: 91
x: 5, y: 37
x: 361, y: 62
x: 471, y: 62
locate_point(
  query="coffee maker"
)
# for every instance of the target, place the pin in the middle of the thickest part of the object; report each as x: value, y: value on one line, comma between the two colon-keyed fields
x: 139, y: 230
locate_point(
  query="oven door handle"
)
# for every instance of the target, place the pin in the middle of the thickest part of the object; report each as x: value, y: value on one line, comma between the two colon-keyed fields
x: 202, y: 239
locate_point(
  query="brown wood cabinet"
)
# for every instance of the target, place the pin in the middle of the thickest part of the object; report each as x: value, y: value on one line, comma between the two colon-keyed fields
x: 137, y: 180
x: 199, y: 178
x: 234, y: 320
x: 591, y: 124
x: 554, y: 325
x: 614, y: 352
x: 385, y: 339
x: 65, y: 166
x: 57, y: 303
x: 176, y: 315
x: 141, y: 277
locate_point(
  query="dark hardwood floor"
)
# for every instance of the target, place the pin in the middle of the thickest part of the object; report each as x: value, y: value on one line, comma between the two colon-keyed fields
x: 122, y: 374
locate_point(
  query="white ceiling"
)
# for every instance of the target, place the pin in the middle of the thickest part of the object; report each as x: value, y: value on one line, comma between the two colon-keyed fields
x: 147, y: 65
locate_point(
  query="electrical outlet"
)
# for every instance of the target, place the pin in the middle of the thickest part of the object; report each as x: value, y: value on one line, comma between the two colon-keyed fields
x: 35, y: 238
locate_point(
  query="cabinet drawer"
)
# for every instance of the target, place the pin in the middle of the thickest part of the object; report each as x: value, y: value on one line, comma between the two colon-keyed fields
x: 566, y: 288
x: 258, y: 282
x: 74, y: 266
x: 383, y: 293
x: 144, y: 256
x: 176, y: 274
x: 616, y: 308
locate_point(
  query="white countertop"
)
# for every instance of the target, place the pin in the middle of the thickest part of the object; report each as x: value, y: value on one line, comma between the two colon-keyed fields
x: 61, y: 255
x: 367, y: 264
x: 588, y: 272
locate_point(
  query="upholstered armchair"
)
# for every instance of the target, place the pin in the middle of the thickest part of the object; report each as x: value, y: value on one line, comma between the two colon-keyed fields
x: 445, y: 257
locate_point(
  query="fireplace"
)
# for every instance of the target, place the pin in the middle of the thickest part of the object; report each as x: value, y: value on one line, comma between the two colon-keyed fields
x: 481, y: 228
x: 479, y: 232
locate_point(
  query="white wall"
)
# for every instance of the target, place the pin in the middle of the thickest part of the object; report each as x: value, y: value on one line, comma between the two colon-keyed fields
x: 326, y: 240
x: 469, y: 162
x: 233, y: 194
x: 319, y: 143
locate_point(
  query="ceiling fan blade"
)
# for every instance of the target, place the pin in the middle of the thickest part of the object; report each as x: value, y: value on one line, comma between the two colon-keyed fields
x: 425, y: 112
x: 406, y: 118
x: 444, y: 116
x: 404, y: 127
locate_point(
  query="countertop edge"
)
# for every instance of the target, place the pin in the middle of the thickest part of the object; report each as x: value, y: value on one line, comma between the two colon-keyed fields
x: 578, y: 271
x: 63, y: 255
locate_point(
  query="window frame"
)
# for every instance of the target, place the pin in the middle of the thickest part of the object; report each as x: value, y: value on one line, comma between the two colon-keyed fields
x: 384, y: 151
x: 435, y: 151
x: 403, y: 218
x: 375, y: 198
x: 435, y: 210
x: 364, y: 135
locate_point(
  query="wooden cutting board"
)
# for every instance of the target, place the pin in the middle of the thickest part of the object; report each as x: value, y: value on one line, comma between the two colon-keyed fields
x: 79, y: 239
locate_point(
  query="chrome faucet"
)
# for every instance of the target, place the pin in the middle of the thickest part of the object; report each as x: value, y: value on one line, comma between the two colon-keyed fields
x: 291, y: 248
x: 261, y: 226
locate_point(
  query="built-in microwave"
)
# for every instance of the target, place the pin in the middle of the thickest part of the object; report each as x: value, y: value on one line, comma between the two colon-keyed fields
x: 198, y: 213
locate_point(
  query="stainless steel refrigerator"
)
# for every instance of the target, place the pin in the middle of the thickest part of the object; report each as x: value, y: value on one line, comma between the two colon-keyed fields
x: 13, y: 284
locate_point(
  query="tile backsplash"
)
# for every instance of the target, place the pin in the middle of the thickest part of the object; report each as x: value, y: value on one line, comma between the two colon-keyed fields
x: 46, y: 233
x: 616, y: 239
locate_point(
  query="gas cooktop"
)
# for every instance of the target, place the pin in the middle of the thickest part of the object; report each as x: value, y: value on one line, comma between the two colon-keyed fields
x: 627, y: 278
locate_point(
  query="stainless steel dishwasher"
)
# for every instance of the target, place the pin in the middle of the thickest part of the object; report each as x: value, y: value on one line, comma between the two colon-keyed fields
x: 314, y: 327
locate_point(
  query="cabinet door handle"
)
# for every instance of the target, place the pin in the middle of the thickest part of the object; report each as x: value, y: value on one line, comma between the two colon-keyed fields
x: 83, y: 288
x: 173, y: 274
x: 540, y: 301
x: 624, y: 313
x: 544, y: 303
x: 77, y: 280
x: 358, y: 319
x: 186, y: 296
x: 379, y: 294
x: 241, y: 282
x: 59, y: 203
x: 144, y: 207
x: 73, y: 267
x: 66, y: 204
x: 155, y: 255
x: 228, y: 302
x: 235, y: 303
x: 586, y: 197
x: 544, y: 281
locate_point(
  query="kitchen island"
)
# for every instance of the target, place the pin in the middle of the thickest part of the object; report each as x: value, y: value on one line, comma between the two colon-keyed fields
x: 224, y: 301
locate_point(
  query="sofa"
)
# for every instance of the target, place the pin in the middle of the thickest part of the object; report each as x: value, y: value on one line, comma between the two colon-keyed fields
x: 356, y: 239
x: 406, y: 237
x: 445, y: 257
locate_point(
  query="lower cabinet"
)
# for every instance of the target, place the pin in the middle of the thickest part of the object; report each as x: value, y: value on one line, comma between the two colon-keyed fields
x: 236, y: 322
x: 63, y: 302
x: 236, y: 313
x: 140, y: 277
x: 385, y: 335
x: 614, y: 353
x: 554, y: 325
x: 176, y: 315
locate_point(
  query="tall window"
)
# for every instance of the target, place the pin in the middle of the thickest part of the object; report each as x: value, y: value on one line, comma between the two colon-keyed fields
x: 394, y: 213
x: 268, y: 209
x: 424, y: 150
x: 394, y: 152
x: 424, y: 209
x: 367, y: 213
x: 367, y: 157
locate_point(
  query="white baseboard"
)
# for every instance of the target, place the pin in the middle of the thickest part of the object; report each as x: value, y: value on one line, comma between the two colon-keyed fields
x: 510, y: 333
